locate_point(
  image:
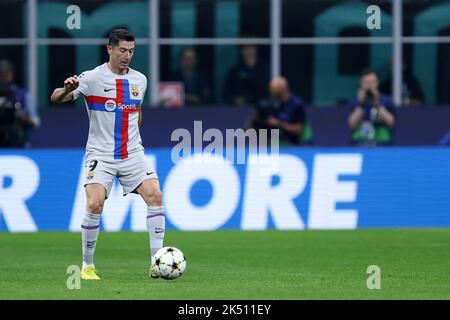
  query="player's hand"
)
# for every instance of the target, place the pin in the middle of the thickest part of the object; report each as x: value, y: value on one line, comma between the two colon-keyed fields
x: 71, y: 83
x: 362, y: 94
x: 273, y: 122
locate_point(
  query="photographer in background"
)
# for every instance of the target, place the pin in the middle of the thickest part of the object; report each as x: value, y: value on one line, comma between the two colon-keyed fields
x: 373, y: 114
x: 18, y: 117
x: 284, y: 111
x: 196, y: 88
x: 246, y: 82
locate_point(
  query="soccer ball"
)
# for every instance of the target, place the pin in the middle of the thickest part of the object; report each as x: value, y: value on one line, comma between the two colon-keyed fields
x: 169, y: 262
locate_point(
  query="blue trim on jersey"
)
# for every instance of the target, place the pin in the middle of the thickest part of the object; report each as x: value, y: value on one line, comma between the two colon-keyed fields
x: 126, y: 91
x: 97, y: 107
x: 126, y: 94
x: 119, y: 117
x: 118, y: 134
x: 90, y: 227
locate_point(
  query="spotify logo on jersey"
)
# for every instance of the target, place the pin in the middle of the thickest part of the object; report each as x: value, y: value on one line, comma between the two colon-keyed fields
x: 110, y: 105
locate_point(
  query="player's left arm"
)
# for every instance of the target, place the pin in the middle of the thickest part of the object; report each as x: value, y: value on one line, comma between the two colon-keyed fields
x: 140, y: 117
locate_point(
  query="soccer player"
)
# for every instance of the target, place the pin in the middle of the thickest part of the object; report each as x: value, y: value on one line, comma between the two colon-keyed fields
x: 113, y: 93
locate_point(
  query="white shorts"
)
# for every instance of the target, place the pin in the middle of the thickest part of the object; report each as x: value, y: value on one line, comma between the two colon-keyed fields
x: 131, y: 171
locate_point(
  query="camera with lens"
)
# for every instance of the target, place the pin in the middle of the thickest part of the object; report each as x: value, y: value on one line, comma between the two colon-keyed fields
x: 264, y: 109
x: 11, y: 130
x: 7, y: 105
x: 369, y: 96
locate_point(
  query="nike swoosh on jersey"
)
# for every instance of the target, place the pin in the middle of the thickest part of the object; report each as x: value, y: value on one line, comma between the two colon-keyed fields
x: 107, y: 90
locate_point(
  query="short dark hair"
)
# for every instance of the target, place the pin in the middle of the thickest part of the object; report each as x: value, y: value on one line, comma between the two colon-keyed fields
x: 118, y: 35
x: 367, y: 71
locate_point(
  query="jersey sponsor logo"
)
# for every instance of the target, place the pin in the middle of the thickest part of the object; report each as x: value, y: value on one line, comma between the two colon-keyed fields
x: 127, y: 106
x: 110, y: 105
x: 134, y: 90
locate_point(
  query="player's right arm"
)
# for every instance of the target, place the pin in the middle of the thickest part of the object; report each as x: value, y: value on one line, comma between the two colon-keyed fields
x: 65, y: 94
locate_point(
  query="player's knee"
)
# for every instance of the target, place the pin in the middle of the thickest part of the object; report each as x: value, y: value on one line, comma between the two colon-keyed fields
x: 155, y: 198
x: 94, y: 206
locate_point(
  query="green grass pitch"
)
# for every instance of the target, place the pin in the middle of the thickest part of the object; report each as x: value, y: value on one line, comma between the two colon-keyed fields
x: 235, y: 265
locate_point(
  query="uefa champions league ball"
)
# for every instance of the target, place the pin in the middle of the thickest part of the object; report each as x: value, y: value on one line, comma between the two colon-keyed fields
x: 169, y: 262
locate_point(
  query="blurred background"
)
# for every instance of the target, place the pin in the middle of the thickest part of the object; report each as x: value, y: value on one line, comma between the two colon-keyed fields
x: 223, y: 54
x: 213, y: 60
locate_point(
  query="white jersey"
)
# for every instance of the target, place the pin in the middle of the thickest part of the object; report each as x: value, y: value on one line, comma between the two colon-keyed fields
x: 113, y: 102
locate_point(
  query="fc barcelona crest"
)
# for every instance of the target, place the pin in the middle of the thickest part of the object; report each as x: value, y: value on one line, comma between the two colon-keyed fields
x: 134, y: 90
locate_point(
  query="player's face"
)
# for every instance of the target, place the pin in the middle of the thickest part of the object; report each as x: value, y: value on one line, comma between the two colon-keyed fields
x: 120, y: 56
